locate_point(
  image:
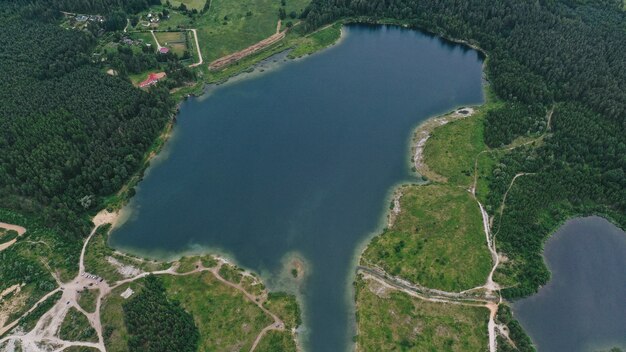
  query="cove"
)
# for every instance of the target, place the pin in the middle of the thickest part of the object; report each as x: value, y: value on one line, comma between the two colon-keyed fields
x: 301, y: 160
x: 583, y: 307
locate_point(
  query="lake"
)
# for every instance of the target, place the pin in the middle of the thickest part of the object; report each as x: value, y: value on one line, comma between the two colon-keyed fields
x: 583, y: 307
x: 300, y: 160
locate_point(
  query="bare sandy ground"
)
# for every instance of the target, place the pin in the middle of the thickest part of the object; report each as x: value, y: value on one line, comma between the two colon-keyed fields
x: 19, y: 229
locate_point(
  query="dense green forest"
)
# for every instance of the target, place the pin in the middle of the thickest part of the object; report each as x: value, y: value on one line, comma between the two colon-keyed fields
x: 69, y: 133
x: 567, y: 55
x: 157, y: 324
x: 70, y: 136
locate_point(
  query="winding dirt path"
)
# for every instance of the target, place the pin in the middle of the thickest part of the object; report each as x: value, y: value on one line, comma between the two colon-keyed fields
x: 19, y: 229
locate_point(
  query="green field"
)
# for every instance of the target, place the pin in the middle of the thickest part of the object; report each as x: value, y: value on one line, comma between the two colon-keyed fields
x: 394, y: 321
x: 76, y: 327
x: 437, y: 240
x: 175, y: 41
x: 230, y: 26
x: 87, y: 300
x: 225, y: 318
x: 451, y: 149
x: 317, y: 41
x: 275, y: 341
x: 191, y: 4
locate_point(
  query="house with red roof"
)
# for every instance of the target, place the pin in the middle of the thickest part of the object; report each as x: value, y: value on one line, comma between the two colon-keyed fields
x: 164, y: 50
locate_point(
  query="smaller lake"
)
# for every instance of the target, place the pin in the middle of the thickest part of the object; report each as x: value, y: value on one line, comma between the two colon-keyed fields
x: 583, y: 307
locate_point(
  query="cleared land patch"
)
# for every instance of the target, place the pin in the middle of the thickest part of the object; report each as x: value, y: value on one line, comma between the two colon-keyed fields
x: 175, y: 41
x: 451, y: 149
x: 226, y: 320
x: 275, y: 341
x: 394, y: 321
x: 437, y: 240
x: 76, y: 327
x: 191, y: 4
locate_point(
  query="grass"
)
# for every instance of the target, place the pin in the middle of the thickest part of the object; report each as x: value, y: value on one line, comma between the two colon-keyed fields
x: 187, y: 264
x: 80, y: 349
x: 451, y: 149
x: 98, y: 251
x: 191, y: 4
x: 285, y: 307
x: 112, y: 318
x: 437, y: 240
x: 231, y: 273
x: 87, y: 300
x: 230, y: 26
x: 275, y: 341
x: 76, y: 327
x: 176, y: 41
x: 394, y: 321
x: 146, y: 37
x: 226, y: 320
x: 317, y: 41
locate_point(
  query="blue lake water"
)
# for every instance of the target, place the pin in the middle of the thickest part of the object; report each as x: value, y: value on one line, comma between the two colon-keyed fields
x: 301, y: 159
x: 583, y: 307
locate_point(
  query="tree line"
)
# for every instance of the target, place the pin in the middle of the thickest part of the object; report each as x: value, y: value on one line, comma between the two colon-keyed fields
x: 561, y: 54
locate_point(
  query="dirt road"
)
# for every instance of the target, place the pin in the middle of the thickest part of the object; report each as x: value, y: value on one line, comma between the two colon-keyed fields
x: 232, y: 58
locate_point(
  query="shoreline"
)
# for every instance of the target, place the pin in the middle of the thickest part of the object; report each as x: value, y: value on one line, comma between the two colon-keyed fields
x: 252, y: 72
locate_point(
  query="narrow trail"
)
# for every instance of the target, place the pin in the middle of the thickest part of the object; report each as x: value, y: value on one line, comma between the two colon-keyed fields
x: 156, y: 40
x: 487, y: 295
x: 200, y: 60
x: 45, y: 334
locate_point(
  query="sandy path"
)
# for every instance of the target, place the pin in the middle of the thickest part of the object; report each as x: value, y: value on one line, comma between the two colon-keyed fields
x: 200, y: 60
x: 232, y: 58
x: 156, y: 40
x: 19, y: 229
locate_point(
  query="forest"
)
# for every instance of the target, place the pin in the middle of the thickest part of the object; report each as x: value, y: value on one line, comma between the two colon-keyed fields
x: 70, y: 136
x: 156, y: 324
x: 69, y: 133
x: 565, y: 55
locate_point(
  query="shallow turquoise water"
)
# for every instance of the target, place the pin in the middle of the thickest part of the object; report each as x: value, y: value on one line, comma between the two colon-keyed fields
x: 583, y: 307
x: 301, y: 159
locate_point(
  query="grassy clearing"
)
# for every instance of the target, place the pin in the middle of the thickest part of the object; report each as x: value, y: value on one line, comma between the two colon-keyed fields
x: 394, y: 321
x: 231, y: 273
x: 275, y: 341
x: 230, y: 26
x: 176, y: 41
x: 317, y: 41
x: 80, y: 349
x: 87, y: 300
x: 112, y: 318
x: 191, y: 4
x: 285, y: 307
x: 451, y: 149
x: 76, y: 327
x: 437, y: 240
x: 226, y: 320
